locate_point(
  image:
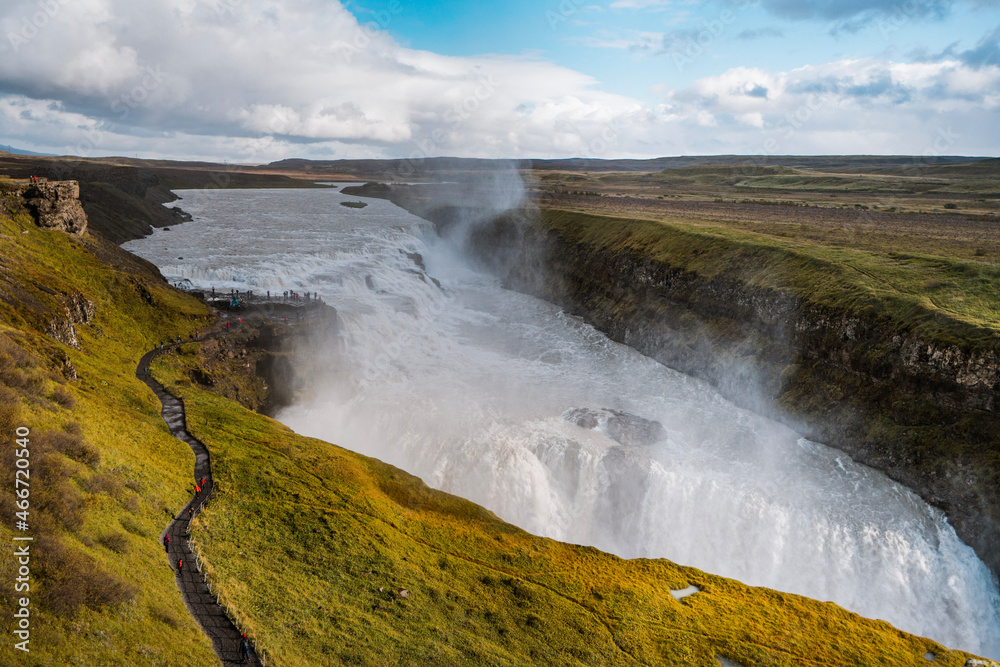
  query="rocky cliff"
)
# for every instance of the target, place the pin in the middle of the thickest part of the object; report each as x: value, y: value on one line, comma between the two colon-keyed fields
x: 922, y: 411
x: 56, y: 204
x: 78, y: 309
x: 257, y: 364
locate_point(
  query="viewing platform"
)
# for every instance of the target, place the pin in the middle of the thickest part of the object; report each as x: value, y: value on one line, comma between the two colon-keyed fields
x: 287, y: 304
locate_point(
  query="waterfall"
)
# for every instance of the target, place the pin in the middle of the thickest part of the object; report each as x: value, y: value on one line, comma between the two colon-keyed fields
x: 509, y: 402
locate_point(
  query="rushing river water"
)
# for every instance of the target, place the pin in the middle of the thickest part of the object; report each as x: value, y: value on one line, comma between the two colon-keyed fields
x: 467, y: 385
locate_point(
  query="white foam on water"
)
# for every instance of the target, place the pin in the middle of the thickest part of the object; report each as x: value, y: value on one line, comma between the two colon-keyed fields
x: 466, y: 387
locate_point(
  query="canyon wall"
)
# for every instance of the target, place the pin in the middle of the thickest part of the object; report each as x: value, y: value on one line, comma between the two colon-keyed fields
x: 922, y: 411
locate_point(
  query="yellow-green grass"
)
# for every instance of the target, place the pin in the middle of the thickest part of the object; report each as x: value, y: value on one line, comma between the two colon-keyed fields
x: 311, y: 544
x: 942, y: 299
x: 139, y: 477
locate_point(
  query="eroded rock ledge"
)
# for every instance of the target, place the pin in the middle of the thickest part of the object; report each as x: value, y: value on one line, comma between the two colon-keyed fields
x: 257, y: 363
x: 56, y: 205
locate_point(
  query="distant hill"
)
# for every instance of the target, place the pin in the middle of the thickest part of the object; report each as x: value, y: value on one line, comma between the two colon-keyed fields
x: 18, y: 151
x: 439, y: 165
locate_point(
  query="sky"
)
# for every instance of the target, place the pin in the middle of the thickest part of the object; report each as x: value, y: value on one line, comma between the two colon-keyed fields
x: 254, y: 81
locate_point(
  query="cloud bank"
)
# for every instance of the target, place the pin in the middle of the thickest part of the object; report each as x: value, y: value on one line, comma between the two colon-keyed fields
x: 255, y: 80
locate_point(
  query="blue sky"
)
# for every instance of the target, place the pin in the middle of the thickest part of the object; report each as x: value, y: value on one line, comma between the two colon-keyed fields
x: 254, y: 80
x: 618, y: 45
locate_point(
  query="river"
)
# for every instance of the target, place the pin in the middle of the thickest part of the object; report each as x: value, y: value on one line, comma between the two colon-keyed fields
x: 469, y: 386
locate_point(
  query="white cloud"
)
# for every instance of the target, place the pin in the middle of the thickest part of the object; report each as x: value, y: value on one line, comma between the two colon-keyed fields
x: 303, y: 71
x: 192, y: 79
x: 647, y: 42
x: 751, y: 119
x: 655, y: 5
x: 850, y: 106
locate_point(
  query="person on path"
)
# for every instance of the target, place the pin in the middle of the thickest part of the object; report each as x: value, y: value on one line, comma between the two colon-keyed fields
x: 244, y: 649
x: 180, y: 565
x: 197, y: 489
x: 166, y: 542
x: 203, y: 481
x: 190, y: 513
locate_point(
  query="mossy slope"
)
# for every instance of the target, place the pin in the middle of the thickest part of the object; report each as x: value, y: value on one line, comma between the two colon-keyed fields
x: 106, y: 474
x: 312, y: 545
x: 303, y: 535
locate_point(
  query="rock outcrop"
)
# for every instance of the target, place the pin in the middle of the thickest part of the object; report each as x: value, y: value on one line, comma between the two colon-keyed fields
x: 56, y: 205
x: 256, y: 364
x: 622, y: 427
x: 78, y: 310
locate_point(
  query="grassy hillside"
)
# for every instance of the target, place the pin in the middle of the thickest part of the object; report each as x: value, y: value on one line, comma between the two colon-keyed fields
x: 313, y: 545
x: 105, y: 472
x: 966, y: 192
x: 939, y: 298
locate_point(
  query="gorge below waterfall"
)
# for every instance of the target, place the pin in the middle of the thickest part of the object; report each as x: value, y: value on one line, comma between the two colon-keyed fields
x: 506, y: 400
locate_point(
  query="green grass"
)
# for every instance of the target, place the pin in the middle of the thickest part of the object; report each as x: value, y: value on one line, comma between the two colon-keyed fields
x: 938, y: 298
x: 303, y: 534
x: 311, y: 544
x: 81, y: 506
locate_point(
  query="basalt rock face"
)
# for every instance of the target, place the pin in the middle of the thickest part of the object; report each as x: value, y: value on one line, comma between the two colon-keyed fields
x: 78, y: 310
x: 56, y: 205
x: 626, y: 429
x: 925, y: 413
x: 256, y: 364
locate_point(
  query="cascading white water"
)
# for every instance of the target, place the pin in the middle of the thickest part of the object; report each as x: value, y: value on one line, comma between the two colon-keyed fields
x: 467, y: 385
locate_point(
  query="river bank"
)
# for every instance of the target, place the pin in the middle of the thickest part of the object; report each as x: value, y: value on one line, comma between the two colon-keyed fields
x: 803, y: 338
x: 441, y: 372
